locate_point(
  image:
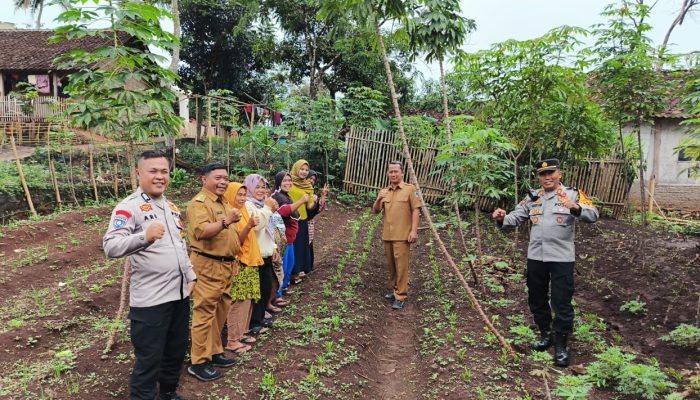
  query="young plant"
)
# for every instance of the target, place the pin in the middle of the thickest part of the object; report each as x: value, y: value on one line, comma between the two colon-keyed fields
x: 571, y: 387
x: 684, y: 335
x: 635, y: 307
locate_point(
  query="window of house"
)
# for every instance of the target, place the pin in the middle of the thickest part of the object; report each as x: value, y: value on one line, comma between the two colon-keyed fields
x: 683, y: 157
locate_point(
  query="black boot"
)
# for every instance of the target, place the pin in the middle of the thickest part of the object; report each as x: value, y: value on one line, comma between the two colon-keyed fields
x: 544, y: 342
x: 561, y: 351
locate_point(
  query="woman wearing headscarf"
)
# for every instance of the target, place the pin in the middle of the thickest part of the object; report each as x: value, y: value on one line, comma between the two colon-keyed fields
x: 262, y: 207
x: 300, y: 187
x: 313, y: 212
x: 246, y: 285
x: 290, y: 217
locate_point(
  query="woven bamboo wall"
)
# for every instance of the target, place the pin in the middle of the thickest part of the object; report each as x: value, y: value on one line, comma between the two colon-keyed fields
x: 369, y: 151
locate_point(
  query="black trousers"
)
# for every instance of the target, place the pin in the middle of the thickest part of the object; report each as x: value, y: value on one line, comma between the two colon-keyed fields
x: 260, y: 306
x: 561, y: 276
x: 159, y: 335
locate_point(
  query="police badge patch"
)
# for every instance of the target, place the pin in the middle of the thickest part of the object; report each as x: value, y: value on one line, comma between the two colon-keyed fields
x: 120, y: 218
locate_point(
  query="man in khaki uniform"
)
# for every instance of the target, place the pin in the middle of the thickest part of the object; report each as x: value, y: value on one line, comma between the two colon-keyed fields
x: 213, y: 250
x: 401, y: 207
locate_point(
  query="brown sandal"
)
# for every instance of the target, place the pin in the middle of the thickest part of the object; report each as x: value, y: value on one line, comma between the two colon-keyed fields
x: 274, y: 309
x: 248, y: 339
x: 242, y: 348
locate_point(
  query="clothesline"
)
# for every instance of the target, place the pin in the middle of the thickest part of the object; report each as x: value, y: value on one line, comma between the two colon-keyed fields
x: 251, y: 109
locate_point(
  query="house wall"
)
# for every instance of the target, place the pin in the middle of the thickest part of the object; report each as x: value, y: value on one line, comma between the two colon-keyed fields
x: 675, y: 188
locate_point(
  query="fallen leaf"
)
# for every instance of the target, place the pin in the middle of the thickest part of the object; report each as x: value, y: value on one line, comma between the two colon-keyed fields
x: 578, y: 369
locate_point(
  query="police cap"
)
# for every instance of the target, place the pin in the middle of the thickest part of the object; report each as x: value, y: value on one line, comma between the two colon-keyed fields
x: 550, y: 164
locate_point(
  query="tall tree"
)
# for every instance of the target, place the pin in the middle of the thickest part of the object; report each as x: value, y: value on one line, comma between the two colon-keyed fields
x: 627, y: 78
x: 36, y: 7
x: 440, y: 30
x: 223, y: 49
x: 374, y: 14
x: 124, y: 94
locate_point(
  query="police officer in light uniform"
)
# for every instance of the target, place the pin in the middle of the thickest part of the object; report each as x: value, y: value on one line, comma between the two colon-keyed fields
x: 552, y: 211
x: 147, y: 227
x: 214, y: 245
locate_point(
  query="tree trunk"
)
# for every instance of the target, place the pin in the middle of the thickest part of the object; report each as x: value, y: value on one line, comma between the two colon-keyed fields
x: 426, y: 212
x: 132, y: 167
x: 39, y: 12
x: 448, y: 130
x: 641, y: 175
x: 175, y: 11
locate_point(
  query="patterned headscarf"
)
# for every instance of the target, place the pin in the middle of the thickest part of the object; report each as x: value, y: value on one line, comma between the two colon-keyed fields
x: 251, y: 182
x: 280, y: 196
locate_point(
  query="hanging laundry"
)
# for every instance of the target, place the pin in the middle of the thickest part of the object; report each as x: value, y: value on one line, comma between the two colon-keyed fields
x: 31, y: 79
x: 266, y: 112
x: 258, y: 111
x: 248, y: 108
x: 43, y: 84
x: 277, y: 119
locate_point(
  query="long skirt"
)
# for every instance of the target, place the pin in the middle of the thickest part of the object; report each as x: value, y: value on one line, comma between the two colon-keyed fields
x: 260, y: 306
x: 302, y: 251
x: 288, y: 267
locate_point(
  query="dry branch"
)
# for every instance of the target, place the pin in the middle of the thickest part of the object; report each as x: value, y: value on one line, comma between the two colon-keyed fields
x: 21, y: 176
x: 123, y: 303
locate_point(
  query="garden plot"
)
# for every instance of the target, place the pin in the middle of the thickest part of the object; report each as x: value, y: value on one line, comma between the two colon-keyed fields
x: 340, y: 339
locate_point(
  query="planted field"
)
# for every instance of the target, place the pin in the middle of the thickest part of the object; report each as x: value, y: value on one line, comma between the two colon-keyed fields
x: 339, y: 338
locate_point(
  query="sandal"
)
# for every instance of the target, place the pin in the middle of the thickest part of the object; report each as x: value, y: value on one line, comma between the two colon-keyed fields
x: 248, y: 339
x: 297, y: 281
x: 240, y: 349
x: 274, y: 309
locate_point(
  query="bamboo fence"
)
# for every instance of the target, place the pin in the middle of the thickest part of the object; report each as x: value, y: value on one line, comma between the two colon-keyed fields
x: 369, y: 151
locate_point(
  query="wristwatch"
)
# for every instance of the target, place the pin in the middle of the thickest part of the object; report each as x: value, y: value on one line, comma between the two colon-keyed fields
x: 224, y: 225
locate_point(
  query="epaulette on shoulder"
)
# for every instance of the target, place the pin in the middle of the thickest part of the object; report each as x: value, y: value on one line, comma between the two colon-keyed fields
x: 200, y: 198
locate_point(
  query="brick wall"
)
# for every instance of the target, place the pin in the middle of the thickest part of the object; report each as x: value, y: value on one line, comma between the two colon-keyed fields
x: 671, y: 197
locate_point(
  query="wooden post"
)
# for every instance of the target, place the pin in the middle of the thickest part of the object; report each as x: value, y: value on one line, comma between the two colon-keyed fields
x: 209, y: 126
x: 52, y: 169
x: 21, y: 176
x: 652, y: 189
x: 198, y: 127
x: 92, y: 174
x: 2, y: 84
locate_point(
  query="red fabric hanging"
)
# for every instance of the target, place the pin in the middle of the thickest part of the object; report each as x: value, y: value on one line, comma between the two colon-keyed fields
x: 248, y: 108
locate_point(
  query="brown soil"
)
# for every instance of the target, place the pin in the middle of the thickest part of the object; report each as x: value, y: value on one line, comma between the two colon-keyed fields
x: 340, y: 338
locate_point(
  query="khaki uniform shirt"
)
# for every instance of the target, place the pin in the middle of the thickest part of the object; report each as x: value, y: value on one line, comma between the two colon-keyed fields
x: 398, y: 207
x: 205, y: 208
x: 552, y: 231
x: 160, y: 270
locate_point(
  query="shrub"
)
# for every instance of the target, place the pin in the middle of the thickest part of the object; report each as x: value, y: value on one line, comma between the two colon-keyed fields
x: 634, y: 306
x: 522, y: 335
x: 684, y: 335
x: 572, y: 387
x: 647, y: 381
x: 608, y: 366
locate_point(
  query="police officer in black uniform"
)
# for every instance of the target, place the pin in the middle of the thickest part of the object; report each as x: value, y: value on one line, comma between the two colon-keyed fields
x: 552, y: 211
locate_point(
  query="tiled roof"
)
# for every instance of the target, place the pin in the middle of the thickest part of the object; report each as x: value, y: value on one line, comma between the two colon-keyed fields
x: 23, y: 49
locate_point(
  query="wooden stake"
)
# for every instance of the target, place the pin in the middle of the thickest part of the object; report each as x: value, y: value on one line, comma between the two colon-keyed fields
x: 123, y: 303
x: 209, y: 126
x: 92, y: 174
x: 54, y: 182
x: 652, y: 189
x: 21, y: 176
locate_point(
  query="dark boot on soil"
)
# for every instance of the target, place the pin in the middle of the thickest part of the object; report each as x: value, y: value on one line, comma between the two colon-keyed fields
x: 544, y: 342
x: 561, y: 351
x: 170, y: 396
x: 397, y: 305
x: 390, y: 296
x: 221, y: 361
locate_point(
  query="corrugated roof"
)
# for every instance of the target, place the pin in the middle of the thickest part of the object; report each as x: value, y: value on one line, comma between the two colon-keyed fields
x: 24, y: 49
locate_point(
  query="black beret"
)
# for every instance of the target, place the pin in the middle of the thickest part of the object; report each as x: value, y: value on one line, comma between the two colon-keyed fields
x: 550, y: 164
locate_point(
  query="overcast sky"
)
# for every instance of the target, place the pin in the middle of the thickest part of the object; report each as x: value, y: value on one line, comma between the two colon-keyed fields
x: 499, y: 20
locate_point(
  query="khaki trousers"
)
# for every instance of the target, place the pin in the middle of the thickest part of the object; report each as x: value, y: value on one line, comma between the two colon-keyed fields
x: 397, y: 255
x: 212, y: 300
x: 238, y: 319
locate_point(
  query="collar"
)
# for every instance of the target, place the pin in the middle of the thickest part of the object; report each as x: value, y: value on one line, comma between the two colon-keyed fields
x: 148, y: 199
x: 210, y: 195
x: 401, y: 185
x: 555, y: 192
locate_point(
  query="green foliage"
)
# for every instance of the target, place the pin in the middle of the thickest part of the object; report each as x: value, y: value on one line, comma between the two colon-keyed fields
x: 476, y: 160
x: 178, y: 177
x: 522, y: 335
x: 684, y: 335
x: 224, y: 109
x: 62, y: 362
x: 362, y: 106
x: 26, y: 94
x: 438, y: 29
x: 608, y: 366
x: 535, y: 92
x: 37, y: 176
x: 634, y: 307
x: 690, y: 146
x: 123, y: 91
x: 572, y: 387
x: 646, y: 381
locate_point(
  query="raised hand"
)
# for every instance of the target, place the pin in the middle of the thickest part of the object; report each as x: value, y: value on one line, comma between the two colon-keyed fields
x: 498, y: 214
x: 155, y: 231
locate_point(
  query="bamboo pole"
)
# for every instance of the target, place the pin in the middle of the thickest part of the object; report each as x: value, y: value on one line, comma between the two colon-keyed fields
x: 209, y: 127
x: 123, y: 303
x: 22, y: 179
x: 92, y: 174
x: 652, y: 189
